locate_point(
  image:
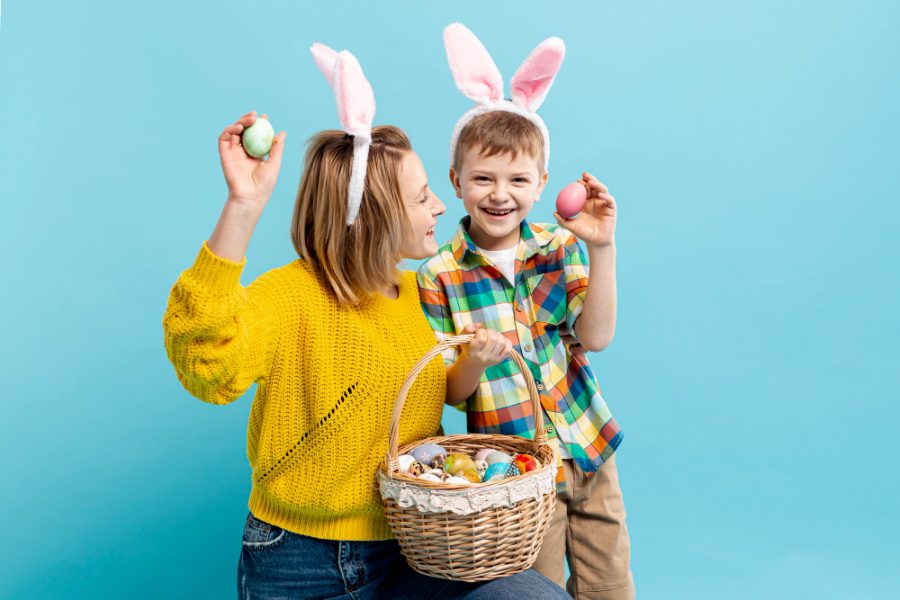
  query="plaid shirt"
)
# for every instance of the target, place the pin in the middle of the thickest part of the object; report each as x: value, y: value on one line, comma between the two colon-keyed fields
x: 459, y: 286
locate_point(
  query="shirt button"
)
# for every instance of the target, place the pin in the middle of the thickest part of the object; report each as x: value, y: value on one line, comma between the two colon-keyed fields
x: 527, y: 348
x: 519, y: 307
x: 540, y: 386
x: 549, y: 428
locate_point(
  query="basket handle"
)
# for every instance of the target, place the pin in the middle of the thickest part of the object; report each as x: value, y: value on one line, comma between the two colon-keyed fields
x: 540, y: 435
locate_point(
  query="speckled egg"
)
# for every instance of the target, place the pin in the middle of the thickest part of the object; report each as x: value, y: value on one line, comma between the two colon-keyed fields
x: 500, y: 471
x: 438, y: 462
x: 426, y: 452
x: 481, y: 466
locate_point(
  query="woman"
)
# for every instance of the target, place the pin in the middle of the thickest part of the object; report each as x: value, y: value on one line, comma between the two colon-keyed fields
x: 329, y: 340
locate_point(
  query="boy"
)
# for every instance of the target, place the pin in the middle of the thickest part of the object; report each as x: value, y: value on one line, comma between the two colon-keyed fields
x: 524, y: 285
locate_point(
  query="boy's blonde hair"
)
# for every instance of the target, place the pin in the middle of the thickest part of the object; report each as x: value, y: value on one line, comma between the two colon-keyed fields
x: 358, y: 259
x: 501, y: 133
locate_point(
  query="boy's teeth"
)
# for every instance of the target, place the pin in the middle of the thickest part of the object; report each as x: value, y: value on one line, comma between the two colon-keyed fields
x: 498, y: 212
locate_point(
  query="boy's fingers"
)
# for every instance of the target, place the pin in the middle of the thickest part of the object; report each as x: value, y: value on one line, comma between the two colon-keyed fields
x: 472, y: 327
x: 594, y: 183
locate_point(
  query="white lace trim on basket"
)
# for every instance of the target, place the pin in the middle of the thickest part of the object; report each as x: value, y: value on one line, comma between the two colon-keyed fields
x: 471, y: 499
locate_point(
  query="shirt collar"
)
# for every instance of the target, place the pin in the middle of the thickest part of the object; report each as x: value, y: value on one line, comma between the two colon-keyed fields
x: 532, y: 237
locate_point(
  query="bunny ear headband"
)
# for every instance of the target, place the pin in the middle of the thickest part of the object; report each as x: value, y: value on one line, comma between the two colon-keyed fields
x: 478, y: 78
x: 356, y: 109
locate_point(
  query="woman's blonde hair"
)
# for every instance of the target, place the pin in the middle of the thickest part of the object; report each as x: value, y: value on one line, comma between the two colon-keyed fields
x: 358, y: 259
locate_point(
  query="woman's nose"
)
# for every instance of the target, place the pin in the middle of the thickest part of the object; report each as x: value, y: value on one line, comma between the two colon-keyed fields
x: 437, y: 207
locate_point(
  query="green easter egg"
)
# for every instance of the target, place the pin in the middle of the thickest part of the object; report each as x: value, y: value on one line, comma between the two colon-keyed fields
x: 257, y: 139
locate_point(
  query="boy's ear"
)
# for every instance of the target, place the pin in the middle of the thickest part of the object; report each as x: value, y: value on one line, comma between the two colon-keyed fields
x: 454, y: 181
x: 542, y: 185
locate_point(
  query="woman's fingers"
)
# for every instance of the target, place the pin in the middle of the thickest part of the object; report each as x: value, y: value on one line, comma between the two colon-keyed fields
x: 276, y: 151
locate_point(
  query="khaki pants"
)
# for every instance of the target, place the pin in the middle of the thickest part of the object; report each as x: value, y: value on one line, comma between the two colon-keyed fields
x: 589, y: 529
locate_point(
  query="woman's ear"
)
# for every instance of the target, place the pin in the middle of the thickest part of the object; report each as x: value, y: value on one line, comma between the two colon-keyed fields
x: 454, y: 181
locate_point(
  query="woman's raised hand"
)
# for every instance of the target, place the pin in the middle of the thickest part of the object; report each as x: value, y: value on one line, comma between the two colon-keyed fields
x: 250, y: 184
x: 250, y: 180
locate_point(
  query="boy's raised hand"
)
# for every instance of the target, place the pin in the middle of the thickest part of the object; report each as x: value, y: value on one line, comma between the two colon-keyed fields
x: 596, y: 224
x: 488, y: 348
x: 250, y: 180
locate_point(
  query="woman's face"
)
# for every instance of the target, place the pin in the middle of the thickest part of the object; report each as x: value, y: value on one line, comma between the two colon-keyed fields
x: 422, y: 209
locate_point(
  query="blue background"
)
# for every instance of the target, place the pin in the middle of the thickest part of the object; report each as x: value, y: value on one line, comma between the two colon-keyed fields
x: 752, y: 148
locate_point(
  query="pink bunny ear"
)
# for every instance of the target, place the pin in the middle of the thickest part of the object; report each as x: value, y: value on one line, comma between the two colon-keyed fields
x: 355, y: 99
x: 474, y: 71
x: 532, y: 81
x: 325, y: 58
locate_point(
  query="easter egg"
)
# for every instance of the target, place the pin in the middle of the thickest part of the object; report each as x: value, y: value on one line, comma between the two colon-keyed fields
x: 406, y: 461
x: 257, y: 139
x: 497, y: 456
x: 470, y: 474
x: 500, y: 470
x: 481, y: 466
x: 457, y: 463
x: 571, y: 199
x: 525, y: 463
x: 430, y: 477
x: 483, y: 453
x: 458, y: 480
x: 426, y: 452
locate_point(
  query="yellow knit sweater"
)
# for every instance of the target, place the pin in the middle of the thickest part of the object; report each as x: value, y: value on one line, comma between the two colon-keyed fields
x: 327, y: 377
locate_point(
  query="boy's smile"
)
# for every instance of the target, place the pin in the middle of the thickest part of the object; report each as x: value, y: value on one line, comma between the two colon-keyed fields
x: 498, y: 193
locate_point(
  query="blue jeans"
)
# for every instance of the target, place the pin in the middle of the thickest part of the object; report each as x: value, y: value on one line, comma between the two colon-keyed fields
x: 279, y: 565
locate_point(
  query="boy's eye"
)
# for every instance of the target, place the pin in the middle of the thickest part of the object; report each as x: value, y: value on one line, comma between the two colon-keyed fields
x: 481, y: 178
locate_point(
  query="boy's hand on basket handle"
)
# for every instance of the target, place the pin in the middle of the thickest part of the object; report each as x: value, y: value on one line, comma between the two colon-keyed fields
x: 487, y: 349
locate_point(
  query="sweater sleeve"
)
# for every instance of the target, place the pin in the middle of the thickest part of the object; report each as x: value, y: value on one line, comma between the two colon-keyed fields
x: 219, y: 335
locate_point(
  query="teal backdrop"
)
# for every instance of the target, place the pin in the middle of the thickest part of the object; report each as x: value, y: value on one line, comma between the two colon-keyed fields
x: 753, y: 151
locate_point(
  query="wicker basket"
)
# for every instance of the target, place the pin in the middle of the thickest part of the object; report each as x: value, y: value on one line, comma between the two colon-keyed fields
x: 498, y: 539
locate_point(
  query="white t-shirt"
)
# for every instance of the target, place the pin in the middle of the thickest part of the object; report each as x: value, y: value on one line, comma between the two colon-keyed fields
x: 505, y: 260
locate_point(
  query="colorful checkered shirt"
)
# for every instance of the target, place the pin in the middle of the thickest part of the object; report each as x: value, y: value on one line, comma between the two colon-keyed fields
x: 459, y: 286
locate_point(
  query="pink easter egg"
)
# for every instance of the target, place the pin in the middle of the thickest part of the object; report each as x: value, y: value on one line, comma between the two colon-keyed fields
x: 571, y: 200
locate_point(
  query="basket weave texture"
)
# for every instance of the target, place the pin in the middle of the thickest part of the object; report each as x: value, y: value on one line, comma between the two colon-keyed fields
x: 493, y: 542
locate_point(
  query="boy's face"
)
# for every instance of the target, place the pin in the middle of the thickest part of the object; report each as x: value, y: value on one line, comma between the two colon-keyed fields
x: 498, y: 193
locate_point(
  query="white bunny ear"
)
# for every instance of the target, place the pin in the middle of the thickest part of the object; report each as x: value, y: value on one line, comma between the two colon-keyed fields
x: 532, y: 81
x: 474, y: 71
x: 325, y: 58
x: 356, y: 110
x: 355, y: 99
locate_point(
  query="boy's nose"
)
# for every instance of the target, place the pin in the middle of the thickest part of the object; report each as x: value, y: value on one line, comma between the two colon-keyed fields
x: 500, y: 193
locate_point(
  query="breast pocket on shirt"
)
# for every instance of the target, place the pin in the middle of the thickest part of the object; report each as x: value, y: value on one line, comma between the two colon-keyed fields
x: 548, y: 296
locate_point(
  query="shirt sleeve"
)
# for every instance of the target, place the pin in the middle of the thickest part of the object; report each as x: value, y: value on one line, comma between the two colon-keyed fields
x: 577, y: 272
x: 437, y: 310
x: 219, y: 335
